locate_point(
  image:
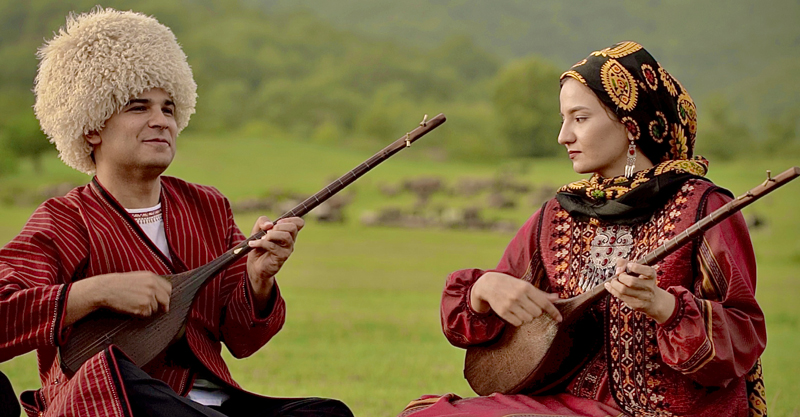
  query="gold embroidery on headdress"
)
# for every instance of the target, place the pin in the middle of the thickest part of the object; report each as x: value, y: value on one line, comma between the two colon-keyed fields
x: 620, y: 50
x: 659, y: 127
x: 631, y: 126
x: 687, y: 112
x: 619, y: 84
x: 574, y: 74
x: 667, y: 80
x: 650, y: 76
x: 679, y: 150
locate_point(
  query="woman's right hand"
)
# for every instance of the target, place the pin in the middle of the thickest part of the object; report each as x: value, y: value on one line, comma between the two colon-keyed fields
x: 514, y: 300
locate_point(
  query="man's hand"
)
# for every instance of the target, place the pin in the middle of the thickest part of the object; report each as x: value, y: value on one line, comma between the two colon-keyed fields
x: 514, y: 300
x: 636, y: 285
x: 269, y: 253
x: 139, y: 294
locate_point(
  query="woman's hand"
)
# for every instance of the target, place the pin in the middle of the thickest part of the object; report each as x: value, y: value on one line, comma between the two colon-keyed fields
x: 514, y: 300
x: 636, y: 285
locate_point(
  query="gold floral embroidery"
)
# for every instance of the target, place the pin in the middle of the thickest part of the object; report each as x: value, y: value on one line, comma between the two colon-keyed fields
x: 599, y: 188
x: 619, y: 84
x: 680, y: 149
x: 650, y: 76
x: 632, y: 127
x: 574, y: 74
x: 687, y: 112
x: 667, y: 80
x: 659, y: 128
x: 619, y: 50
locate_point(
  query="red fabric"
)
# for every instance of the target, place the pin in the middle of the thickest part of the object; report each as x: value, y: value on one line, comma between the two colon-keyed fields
x: 692, y: 365
x: 499, y: 405
x: 87, y: 233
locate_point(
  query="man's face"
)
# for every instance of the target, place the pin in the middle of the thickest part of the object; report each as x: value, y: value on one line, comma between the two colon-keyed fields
x: 140, y: 138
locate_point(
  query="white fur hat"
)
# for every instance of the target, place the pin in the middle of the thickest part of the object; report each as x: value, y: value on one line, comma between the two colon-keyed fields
x: 95, y: 65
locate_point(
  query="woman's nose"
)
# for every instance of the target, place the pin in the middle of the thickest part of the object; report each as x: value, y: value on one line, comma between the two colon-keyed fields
x: 564, y: 135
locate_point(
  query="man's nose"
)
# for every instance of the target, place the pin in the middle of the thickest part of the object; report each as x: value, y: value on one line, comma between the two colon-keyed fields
x: 158, y: 120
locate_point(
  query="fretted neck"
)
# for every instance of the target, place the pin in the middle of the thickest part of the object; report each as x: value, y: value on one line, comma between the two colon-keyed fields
x: 706, y: 223
x: 226, y: 259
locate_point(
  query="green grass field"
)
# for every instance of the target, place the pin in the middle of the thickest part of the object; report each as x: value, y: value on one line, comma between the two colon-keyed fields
x: 363, y: 323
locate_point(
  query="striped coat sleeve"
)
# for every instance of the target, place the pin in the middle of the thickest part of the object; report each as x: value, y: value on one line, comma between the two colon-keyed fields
x: 33, y: 290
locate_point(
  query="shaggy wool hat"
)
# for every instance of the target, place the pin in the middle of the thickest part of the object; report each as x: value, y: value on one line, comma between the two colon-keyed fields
x: 95, y: 65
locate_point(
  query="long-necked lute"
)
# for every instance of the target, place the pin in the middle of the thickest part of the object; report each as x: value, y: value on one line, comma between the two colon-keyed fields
x: 540, y: 355
x: 143, y: 339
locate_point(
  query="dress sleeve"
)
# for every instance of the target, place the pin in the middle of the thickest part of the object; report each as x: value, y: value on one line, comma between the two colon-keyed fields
x: 33, y: 291
x: 243, y: 329
x: 717, y: 331
x: 462, y: 325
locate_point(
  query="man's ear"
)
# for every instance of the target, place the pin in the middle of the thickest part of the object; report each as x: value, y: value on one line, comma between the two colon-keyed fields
x: 93, y: 137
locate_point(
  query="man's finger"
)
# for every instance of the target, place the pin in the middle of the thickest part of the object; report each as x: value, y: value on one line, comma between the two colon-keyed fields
x: 262, y: 223
x: 281, y: 238
x: 297, y: 221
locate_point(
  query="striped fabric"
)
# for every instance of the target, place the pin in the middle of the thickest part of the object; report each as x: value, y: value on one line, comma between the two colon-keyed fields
x: 87, y: 233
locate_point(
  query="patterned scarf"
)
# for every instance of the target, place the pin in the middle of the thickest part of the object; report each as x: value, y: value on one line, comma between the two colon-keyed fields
x: 622, y: 200
x: 650, y: 102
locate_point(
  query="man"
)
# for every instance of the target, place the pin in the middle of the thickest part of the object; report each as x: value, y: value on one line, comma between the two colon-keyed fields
x: 113, y: 91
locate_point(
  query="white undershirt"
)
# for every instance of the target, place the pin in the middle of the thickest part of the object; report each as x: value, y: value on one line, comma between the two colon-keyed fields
x: 151, y: 221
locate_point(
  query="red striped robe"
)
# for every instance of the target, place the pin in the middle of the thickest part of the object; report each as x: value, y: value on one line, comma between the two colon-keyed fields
x: 87, y: 233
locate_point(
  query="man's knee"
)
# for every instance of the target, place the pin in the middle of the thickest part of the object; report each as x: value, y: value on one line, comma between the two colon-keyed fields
x: 320, y: 407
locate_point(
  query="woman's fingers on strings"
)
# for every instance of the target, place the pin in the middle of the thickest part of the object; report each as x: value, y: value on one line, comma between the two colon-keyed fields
x: 544, y: 304
x: 643, y: 271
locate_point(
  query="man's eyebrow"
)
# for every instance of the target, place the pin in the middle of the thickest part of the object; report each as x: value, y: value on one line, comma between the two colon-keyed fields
x: 138, y: 101
x: 147, y: 101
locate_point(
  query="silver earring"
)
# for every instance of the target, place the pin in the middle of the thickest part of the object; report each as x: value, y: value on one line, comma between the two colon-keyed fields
x: 631, y: 163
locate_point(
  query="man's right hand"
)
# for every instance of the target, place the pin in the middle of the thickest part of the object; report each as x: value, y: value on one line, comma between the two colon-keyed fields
x: 514, y: 300
x: 139, y: 294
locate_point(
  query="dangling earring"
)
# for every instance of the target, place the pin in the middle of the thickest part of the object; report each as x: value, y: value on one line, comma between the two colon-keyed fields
x: 631, y: 160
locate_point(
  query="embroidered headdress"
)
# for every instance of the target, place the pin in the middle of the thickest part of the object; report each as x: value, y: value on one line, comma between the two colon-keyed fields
x: 95, y: 65
x: 661, y: 116
x: 650, y: 102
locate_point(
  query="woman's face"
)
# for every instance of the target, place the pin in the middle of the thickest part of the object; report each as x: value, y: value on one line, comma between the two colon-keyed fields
x: 596, y: 142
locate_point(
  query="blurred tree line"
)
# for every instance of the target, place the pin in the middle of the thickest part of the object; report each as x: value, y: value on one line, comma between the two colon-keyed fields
x: 293, y: 74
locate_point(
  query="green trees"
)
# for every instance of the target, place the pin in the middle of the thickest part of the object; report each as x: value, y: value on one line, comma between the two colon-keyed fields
x: 289, y: 72
x: 526, y: 102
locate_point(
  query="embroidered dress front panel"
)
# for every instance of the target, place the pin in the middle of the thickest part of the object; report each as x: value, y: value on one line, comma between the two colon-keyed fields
x: 585, y: 255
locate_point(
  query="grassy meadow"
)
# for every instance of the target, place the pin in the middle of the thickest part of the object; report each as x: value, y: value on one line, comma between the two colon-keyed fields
x: 363, y: 322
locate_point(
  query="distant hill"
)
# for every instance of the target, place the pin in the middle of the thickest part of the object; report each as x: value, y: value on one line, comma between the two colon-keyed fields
x: 745, y: 50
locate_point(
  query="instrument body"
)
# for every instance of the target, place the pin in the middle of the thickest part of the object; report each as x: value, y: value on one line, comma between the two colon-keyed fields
x: 540, y: 355
x: 142, y: 339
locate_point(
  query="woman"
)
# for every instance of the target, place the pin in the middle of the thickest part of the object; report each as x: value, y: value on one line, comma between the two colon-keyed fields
x: 681, y: 338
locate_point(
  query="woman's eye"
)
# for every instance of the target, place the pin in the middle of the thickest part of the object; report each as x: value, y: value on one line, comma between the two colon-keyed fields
x: 168, y: 110
x: 580, y: 119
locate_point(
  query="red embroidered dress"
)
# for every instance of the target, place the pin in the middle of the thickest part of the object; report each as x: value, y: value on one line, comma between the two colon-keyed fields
x: 87, y: 233
x: 694, y: 364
